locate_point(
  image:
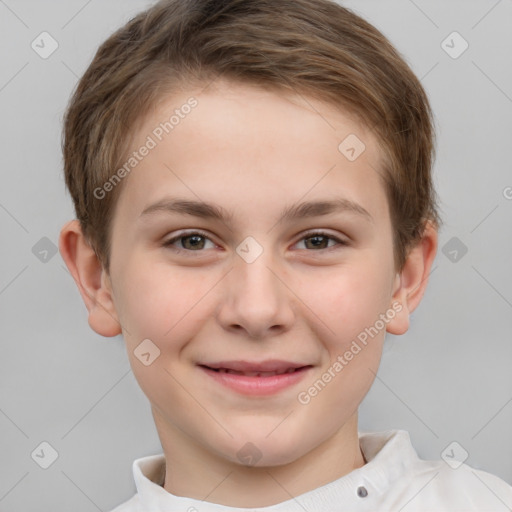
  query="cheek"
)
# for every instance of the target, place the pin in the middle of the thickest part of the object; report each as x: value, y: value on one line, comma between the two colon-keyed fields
x: 159, y: 303
x: 350, y: 298
x: 155, y: 300
x: 352, y: 336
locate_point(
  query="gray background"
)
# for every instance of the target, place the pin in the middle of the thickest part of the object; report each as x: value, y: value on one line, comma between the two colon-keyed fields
x: 448, y: 379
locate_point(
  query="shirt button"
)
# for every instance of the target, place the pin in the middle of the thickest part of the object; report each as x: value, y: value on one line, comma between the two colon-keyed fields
x: 362, y: 492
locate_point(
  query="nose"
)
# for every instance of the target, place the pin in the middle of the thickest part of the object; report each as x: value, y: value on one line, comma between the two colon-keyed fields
x: 256, y: 298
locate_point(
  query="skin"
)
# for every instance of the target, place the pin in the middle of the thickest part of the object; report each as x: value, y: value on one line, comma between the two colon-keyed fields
x: 253, y: 152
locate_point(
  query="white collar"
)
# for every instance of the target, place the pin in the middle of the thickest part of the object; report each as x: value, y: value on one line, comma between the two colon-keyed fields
x: 389, y: 455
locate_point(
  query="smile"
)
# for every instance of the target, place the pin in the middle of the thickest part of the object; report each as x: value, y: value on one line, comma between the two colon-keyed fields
x: 256, y: 383
x: 254, y: 374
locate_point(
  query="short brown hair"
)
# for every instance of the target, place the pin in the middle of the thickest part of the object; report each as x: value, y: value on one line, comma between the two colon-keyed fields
x: 313, y: 47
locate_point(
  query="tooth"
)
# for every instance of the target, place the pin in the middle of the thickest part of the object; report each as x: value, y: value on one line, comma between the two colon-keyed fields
x: 256, y: 374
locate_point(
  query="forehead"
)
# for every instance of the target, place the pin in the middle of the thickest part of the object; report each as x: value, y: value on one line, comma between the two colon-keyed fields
x: 236, y: 144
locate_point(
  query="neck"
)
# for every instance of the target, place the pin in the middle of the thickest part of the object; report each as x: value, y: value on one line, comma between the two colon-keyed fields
x: 195, y: 472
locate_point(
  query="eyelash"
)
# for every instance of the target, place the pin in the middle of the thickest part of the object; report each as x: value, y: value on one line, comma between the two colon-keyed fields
x: 177, y: 250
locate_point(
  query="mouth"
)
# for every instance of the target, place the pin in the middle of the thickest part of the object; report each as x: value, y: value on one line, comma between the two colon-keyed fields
x: 254, y: 374
x: 265, y: 378
x: 267, y: 368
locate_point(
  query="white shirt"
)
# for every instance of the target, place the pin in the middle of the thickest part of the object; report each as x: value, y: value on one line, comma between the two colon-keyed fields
x: 393, y: 479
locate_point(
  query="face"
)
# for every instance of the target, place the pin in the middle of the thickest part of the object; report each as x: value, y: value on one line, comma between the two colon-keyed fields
x: 265, y: 281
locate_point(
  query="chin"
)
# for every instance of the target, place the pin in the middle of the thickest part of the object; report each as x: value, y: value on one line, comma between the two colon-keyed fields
x: 256, y: 449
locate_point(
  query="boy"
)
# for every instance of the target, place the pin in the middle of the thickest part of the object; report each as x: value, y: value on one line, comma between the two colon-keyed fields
x: 252, y: 182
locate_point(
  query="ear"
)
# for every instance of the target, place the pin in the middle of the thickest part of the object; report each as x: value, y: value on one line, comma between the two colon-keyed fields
x: 91, y: 278
x: 411, y: 281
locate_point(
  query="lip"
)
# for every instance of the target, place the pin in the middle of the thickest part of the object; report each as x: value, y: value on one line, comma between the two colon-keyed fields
x: 257, y: 385
x: 270, y: 365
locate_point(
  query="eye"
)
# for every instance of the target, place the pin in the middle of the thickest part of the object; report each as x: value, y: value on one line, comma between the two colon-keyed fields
x: 195, y: 241
x: 319, y: 240
x: 190, y: 242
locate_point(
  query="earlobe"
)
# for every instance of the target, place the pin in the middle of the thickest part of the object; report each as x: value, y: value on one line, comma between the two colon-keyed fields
x: 411, y: 282
x: 91, y: 278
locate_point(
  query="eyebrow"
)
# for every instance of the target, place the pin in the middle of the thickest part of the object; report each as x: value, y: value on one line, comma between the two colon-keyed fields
x: 294, y: 212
